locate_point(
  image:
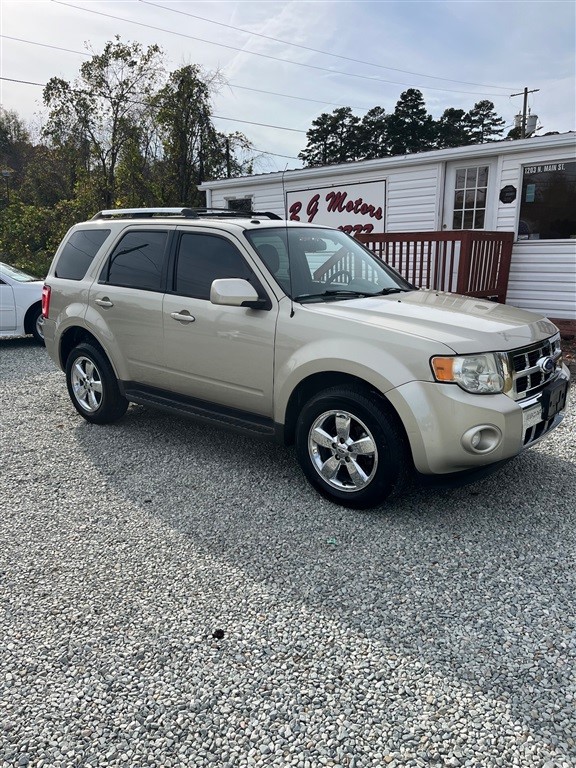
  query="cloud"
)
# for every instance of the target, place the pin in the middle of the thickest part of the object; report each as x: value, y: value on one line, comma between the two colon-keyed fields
x: 499, y: 44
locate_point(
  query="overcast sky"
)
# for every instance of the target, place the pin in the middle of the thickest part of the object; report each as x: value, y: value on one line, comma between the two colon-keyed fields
x: 287, y: 61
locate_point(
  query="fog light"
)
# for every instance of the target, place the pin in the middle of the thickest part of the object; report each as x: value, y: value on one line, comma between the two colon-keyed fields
x: 481, y: 439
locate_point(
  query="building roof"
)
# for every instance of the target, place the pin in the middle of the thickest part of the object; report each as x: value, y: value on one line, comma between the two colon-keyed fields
x: 504, y: 147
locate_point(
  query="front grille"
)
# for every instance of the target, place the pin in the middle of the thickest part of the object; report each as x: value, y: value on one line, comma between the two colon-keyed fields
x: 528, y: 376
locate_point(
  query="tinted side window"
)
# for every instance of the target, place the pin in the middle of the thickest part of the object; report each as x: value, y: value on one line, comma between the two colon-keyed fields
x: 78, y: 252
x: 137, y: 261
x: 204, y: 258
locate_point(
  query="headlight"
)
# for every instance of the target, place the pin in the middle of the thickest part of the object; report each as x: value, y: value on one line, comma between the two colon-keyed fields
x: 480, y: 374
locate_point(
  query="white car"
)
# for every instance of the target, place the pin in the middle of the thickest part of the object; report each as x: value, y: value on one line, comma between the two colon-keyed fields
x: 20, y: 303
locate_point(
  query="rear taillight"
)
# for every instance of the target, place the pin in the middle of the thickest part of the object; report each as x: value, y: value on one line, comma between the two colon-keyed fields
x: 46, y: 290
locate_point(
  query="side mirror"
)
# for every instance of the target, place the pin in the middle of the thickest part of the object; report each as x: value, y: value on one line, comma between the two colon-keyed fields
x: 235, y: 292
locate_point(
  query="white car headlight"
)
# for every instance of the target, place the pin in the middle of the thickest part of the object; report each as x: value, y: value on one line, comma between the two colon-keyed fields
x: 480, y: 374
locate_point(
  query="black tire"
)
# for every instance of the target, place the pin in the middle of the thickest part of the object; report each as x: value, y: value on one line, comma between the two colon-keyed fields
x: 351, y: 449
x: 35, y: 324
x: 92, y: 385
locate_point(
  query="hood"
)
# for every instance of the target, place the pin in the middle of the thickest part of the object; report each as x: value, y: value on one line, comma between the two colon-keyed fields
x: 463, y: 323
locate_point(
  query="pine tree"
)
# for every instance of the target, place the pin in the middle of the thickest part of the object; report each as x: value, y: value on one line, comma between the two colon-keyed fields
x: 483, y: 123
x: 333, y: 138
x: 452, y: 129
x: 410, y: 128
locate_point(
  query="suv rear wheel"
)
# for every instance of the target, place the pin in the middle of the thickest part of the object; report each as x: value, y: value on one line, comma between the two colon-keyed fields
x: 92, y: 386
x: 350, y: 448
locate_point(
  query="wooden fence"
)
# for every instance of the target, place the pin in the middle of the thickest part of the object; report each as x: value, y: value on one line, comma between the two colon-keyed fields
x: 471, y: 262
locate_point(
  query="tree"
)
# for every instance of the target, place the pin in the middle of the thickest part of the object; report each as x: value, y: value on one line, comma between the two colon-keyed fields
x: 410, y: 127
x: 373, y: 138
x: 333, y: 138
x: 15, y: 147
x: 193, y: 149
x: 104, y: 107
x: 483, y: 122
x: 452, y: 129
x: 187, y: 133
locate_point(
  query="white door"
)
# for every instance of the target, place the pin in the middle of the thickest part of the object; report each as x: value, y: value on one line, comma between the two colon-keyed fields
x: 469, y: 195
x: 7, y: 307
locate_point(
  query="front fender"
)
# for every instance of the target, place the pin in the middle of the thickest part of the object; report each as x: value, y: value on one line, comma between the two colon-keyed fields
x: 384, y: 366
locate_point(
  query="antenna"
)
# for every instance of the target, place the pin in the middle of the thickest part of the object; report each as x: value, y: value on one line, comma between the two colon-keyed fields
x: 287, y: 242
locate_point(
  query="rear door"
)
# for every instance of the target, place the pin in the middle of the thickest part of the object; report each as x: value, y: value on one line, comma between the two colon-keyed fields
x: 126, y: 304
x: 219, y: 354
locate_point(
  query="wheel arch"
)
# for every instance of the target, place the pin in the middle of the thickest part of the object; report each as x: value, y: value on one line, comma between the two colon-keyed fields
x: 30, y: 315
x: 72, y: 337
x: 317, y: 382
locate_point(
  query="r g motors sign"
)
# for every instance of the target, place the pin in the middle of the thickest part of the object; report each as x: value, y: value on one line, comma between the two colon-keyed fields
x: 354, y: 208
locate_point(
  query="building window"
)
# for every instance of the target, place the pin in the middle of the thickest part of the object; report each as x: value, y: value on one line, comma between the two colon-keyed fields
x: 470, y: 197
x: 548, y: 204
x: 243, y: 204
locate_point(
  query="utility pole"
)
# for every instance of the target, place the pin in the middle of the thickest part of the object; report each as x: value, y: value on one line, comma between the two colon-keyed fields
x: 525, y: 109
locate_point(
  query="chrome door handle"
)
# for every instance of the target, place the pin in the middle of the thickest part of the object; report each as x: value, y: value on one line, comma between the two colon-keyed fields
x: 104, y: 302
x: 183, y: 317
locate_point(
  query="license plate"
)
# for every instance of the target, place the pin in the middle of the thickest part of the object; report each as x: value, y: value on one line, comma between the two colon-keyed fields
x: 531, y: 416
x: 554, y: 399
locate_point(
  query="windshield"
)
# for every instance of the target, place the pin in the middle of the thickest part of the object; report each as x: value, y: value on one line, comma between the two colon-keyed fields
x: 16, y: 274
x: 320, y: 264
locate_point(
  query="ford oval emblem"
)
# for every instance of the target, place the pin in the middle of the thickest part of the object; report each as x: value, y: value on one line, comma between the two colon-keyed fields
x: 546, y: 364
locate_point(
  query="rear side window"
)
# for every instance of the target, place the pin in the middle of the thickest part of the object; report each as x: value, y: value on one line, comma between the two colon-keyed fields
x: 137, y: 261
x: 204, y: 258
x: 78, y: 252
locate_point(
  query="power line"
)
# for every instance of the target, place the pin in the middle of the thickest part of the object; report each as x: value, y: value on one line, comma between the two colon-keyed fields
x: 25, y: 82
x: 229, y: 84
x: 316, y: 50
x: 216, y: 117
x: 45, y: 45
x: 298, y: 98
x: 263, y: 152
x: 264, y: 55
x: 263, y: 125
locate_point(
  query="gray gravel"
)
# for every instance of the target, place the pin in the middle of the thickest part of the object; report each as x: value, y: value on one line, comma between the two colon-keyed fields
x: 175, y: 595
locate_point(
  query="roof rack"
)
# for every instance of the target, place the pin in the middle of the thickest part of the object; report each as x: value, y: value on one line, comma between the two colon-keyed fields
x: 185, y: 213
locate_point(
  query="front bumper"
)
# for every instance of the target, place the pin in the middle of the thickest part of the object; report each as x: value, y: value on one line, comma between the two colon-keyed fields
x: 451, y: 430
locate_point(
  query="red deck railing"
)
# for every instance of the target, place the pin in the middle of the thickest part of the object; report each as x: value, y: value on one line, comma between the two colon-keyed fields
x: 471, y: 262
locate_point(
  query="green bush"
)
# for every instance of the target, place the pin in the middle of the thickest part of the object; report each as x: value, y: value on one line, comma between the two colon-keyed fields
x: 30, y: 235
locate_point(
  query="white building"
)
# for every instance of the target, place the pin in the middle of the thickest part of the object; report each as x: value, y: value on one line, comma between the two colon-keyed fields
x: 527, y: 187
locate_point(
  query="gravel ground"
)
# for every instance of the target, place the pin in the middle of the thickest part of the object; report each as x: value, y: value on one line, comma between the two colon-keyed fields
x: 174, y: 595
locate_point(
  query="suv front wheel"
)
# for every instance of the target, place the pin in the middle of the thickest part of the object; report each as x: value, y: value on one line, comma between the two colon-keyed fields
x: 350, y: 448
x: 92, y: 386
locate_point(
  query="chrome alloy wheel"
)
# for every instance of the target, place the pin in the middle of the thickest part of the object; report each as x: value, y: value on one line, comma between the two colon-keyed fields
x: 86, y: 384
x: 343, y: 450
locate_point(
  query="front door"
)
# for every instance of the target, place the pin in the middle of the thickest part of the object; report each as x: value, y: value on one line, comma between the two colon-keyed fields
x: 7, y: 307
x: 220, y: 354
x: 469, y: 191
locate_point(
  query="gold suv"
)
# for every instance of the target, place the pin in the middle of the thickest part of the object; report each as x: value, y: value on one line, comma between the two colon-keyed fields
x: 297, y: 332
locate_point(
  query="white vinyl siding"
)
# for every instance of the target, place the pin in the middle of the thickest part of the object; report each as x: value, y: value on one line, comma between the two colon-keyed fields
x: 543, y: 278
x: 412, y: 199
x: 542, y: 274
